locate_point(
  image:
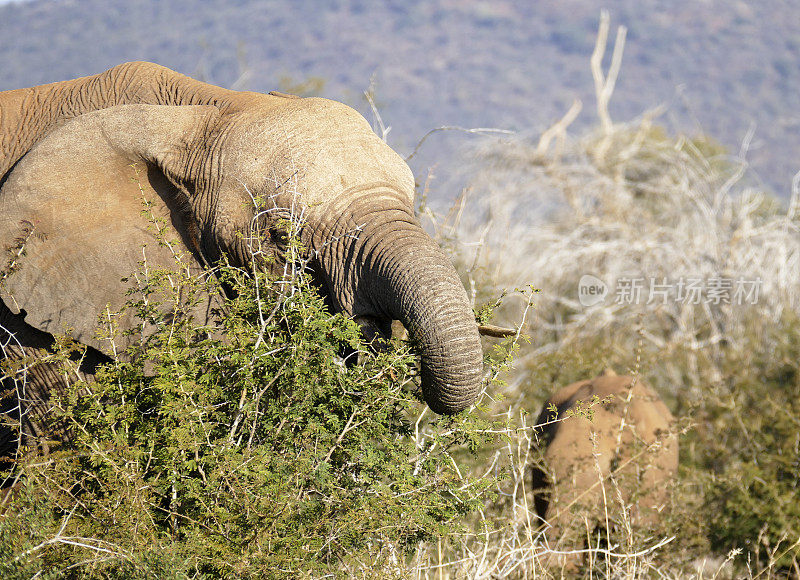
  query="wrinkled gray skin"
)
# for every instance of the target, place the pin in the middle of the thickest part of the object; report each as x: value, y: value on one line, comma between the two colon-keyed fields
x: 630, y: 445
x: 68, y: 192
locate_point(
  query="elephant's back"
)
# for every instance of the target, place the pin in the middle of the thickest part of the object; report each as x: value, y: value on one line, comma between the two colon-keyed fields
x: 634, y: 399
x: 617, y: 424
x: 607, y: 399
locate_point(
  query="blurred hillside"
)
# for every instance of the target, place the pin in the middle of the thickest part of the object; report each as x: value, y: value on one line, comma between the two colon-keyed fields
x: 721, y: 66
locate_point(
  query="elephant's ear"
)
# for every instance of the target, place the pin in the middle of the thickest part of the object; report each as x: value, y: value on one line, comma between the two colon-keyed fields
x: 81, y: 211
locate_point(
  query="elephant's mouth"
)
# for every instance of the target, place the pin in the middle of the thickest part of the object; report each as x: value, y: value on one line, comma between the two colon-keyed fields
x: 376, y: 332
x: 379, y: 335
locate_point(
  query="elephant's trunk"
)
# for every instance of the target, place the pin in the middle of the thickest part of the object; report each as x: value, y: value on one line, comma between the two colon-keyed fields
x: 393, y: 270
x: 424, y: 292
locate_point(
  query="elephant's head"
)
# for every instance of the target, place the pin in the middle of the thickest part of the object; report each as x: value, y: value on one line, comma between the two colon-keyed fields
x: 217, y: 164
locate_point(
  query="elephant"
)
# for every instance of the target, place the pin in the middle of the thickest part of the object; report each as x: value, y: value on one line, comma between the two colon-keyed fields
x: 628, y: 449
x: 217, y: 165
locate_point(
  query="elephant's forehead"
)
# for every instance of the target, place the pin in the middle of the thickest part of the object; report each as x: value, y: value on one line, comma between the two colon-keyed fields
x: 314, y: 147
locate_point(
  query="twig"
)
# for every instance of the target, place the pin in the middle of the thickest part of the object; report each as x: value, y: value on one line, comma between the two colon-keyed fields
x: 559, y: 130
x: 604, y: 85
x: 477, y: 130
x: 370, y: 96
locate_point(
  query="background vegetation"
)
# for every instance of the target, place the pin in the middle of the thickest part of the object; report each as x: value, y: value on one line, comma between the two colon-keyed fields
x: 628, y: 201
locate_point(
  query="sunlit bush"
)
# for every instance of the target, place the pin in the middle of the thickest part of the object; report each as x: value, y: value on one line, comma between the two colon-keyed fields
x: 250, y: 449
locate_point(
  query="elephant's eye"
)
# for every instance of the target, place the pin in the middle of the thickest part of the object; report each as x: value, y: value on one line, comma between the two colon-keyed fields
x: 279, y: 236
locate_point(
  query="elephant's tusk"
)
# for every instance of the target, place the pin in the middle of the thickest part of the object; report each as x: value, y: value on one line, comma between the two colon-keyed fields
x: 496, y: 331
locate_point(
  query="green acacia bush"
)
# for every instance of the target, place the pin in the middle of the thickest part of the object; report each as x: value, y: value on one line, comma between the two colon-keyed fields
x: 246, y: 450
x: 753, y: 488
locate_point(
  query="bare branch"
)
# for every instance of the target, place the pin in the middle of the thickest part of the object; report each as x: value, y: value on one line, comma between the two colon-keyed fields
x: 604, y: 85
x: 370, y: 96
x: 477, y: 130
x: 559, y: 129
